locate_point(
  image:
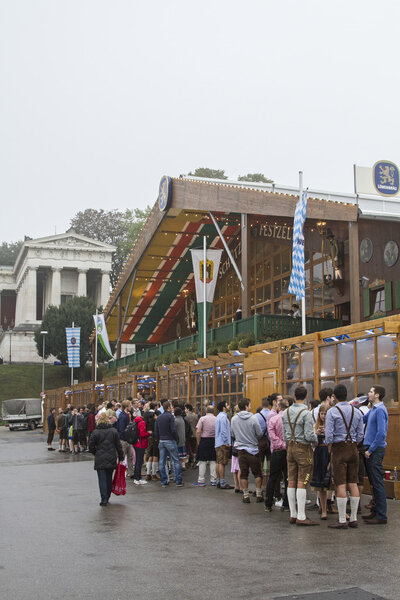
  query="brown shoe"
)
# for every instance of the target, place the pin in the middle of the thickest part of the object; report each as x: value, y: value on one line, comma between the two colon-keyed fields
x: 339, y: 525
x: 353, y: 524
x: 375, y: 521
x: 155, y: 478
x: 246, y: 499
x: 370, y: 516
x: 292, y: 520
x: 306, y: 521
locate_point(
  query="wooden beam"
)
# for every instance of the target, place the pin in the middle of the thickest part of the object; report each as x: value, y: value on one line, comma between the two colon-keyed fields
x: 245, y: 231
x: 354, y: 273
x: 193, y: 195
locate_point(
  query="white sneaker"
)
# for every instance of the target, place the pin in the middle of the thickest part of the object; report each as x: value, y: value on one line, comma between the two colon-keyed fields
x: 140, y: 482
x: 279, y: 503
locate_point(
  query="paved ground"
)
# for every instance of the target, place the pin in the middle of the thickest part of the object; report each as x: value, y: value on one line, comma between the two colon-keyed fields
x: 186, y: 543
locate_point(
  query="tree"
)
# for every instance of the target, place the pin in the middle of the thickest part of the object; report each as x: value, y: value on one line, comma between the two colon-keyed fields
x: 120, y: 229
x: 255, y: 178
x: 78, y: 310
x: 209, y: 173
x: 9, y: 253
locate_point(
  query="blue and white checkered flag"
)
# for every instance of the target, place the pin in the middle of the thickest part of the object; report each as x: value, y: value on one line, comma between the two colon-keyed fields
x: 73, y: 335
x: 297, y: 280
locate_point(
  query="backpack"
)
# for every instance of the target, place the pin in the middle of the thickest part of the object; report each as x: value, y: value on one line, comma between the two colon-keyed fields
x: 132, y: 433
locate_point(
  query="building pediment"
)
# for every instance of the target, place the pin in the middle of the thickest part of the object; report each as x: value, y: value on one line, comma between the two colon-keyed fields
x: 68, y: 240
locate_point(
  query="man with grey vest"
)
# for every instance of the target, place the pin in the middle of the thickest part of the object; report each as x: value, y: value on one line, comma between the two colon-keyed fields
x: 299, y: 434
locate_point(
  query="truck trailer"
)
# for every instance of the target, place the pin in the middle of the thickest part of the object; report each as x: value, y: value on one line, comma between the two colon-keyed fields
x: 22, y: 412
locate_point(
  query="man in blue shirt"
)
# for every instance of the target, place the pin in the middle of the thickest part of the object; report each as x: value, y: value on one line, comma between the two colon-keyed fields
x: 222, y: 445
x: 376, y: 420
x: 343, y: 431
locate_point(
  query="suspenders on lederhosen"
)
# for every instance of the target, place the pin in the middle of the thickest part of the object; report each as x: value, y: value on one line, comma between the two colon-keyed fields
x: 348, y: 427
x: 292, y: 439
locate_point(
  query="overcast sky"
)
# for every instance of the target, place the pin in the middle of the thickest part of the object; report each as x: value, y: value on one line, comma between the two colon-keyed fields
x: 99, y: 99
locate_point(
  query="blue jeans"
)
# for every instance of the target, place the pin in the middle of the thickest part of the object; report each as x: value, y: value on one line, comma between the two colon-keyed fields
x: 105, y: 483
x: 375, y: 476
x: 169, y: 447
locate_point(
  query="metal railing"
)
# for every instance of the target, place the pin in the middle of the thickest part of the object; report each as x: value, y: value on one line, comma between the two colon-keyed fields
x: 263, y: 327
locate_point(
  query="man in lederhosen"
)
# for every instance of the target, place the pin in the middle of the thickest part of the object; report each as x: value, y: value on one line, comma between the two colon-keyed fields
x: 299, y: 434
x: 343, y: 431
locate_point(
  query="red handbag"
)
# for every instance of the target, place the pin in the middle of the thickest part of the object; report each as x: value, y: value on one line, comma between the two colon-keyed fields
x: 119, y: 481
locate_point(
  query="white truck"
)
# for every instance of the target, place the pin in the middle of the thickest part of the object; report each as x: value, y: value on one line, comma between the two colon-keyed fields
x: 22, y: 412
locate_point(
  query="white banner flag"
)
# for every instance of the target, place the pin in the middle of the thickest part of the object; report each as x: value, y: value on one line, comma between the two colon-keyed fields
x: 102, y: 334
x: 212, y: 267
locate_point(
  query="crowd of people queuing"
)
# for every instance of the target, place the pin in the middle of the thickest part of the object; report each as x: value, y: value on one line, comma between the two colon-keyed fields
x: 288, y: 445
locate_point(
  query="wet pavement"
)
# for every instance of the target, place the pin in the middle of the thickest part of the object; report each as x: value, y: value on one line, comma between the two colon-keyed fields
x: 187, y: 543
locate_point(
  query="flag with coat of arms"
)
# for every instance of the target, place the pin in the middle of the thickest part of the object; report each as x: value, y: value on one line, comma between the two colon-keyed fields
x: 297, y: 278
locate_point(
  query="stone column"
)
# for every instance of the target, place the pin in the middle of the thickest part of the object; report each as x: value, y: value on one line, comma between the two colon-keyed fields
x: 56, y: 287
x: 29, y: 310
x: 105, y: 288
x: 82, y: 283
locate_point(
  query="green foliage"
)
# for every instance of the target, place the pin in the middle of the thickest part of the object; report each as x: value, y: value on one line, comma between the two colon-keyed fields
x: 9, y: 253
x: 242, y: 340
x: 209, y: 173
x: 114, y: 227
x: 78, y: 310
x: 255, y: 178
x: 25, y: 381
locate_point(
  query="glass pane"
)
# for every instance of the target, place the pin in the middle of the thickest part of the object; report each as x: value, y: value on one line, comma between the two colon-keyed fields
x: 349, y: 383
x: 307, y: 364
x: 345, y: 358
x: 317, y: 273
x: 286, y: 304
x: 222, y: 309
x: 291, y: 387
x: 317, y: 294
x: 277, y: 308
x: 259, y: 272
x: 259, y: 250
x: 225, y: 381
x: 307, y: 277
x: 292, y: 365
x: 364, y: 383
x: 259, y: 295
x: 267, y: 269
x: 216, y: 311
x: 229, y: 308
x: 307, y: 257
x: 240, y: 380
x: 308, y: 305
x: 365, y: 355
x: 329, y: 294
x: 229, y: 286
x: 285, y: 285
x: 309, y: 385
x: 277, y: 264
x: 277, y: 288
x: 387, y: 352
x: 267, y: 292
x: 286, y: 261
x: 389, y: 382
x: 267, y: 309
x: 233, y: 380
x: 328, y: 383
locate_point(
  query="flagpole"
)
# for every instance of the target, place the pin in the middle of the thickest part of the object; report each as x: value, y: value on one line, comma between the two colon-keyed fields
x: 205, y: 298
x: 303, y: 300
x: 72, y: 368
x: 95, y: 351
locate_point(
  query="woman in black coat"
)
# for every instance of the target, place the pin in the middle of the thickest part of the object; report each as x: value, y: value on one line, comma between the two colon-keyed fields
x: 105, y: 445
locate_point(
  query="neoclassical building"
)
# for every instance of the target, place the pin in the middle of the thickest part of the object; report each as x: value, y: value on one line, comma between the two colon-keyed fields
x: 48, y: 271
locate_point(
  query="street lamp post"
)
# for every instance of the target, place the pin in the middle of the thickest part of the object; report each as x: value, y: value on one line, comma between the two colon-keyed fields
x: 43, y: 334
